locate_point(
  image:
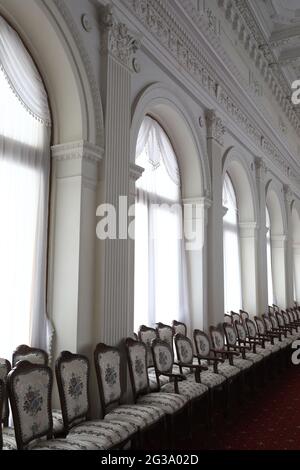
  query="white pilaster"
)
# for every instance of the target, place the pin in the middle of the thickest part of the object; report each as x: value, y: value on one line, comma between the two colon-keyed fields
x: 261, y: 253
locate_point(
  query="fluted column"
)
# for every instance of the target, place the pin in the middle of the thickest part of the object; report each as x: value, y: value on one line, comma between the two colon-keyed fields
x: 262, y: 271
x: 215, y: 301
x: 113, y: 303
x: 289, y: 265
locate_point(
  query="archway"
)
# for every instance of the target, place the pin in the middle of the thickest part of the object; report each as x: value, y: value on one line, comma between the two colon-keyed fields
x: 169, y: 111
x: 278, y: 238
x: 244, y: 186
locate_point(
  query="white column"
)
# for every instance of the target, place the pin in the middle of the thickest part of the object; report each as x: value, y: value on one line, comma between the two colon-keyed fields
x: 261, y: 253
x: 279, y: 244
x: 72, y: 245
x: 195, y: 223
x: 113, y: 302
x: 248, y: 232
x: 296, y: 268
x: 215, y: 301
x: 289, y: 265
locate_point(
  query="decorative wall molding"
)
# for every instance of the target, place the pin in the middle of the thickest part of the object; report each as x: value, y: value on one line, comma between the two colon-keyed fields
x: 77, y: 150
x: 161, y: 23
x: 215, y: 127
x: 117, y: 40
x: 135, y: 171
x: 93, y: 83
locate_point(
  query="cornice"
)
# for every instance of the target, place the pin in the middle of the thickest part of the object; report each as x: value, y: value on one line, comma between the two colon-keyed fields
x: 162, y: 24
x: 77, y: 150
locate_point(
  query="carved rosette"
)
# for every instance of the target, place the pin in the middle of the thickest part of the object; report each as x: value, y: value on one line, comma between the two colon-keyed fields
x: 118, y: 41
x: 215, y: 127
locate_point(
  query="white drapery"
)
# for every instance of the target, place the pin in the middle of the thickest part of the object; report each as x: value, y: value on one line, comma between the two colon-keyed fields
x: 160, y: 267
x: 231, y: 250
x: 24, y: 188
x: 271, y: 298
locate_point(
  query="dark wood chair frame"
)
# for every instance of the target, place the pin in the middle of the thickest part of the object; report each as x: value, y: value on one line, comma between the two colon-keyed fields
x: 275, y: 359
x: 25, y: 350
x: 67, y: 356
x: 2, y: 398
x: 178, y: 323
x: 5, y: 419
x: 23, y: 368
x: 170, y: 419
x: 142, y: 329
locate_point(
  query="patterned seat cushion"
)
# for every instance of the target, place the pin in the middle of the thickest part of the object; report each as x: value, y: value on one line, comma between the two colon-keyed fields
x: 58, y: 424
x: 274, y: 348
x: 168, y: 402
x: 68, y: 444
x: 111, y: 433
x: 140, y: 415
x: 254, y: 357
x: 226, y: 369
x: 187, y: 388
x: 242, y: 364
x: 9, y: 441
x: 209, y: 378
x: 265, y: 352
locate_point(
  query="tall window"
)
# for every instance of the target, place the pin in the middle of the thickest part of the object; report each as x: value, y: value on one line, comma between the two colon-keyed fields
x: 271, y: 298
x: 160, y: 276
x: 24, y: 179
x: 231, y: 250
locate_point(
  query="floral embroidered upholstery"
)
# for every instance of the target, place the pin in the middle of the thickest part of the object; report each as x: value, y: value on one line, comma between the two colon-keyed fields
x: 241, y: 364
x: 268, y: 323
x: 140, y: 415
x: 163, y: 356
x: 217, y: 339
x: 165, y: 333
x: 109, y: 433
x: 30, y: 393
x: 34, y: 358
x: 109, y: 368
x: 241, y: 331
x: 179, y: 328
x: 184, y: 349
x: 254, y: 357
x: 260, y: 326
x: 244, y: 315
x: 9, y: 440
x: 168, y: 402
x: 138, y: 364
x: 251, y: 328
x: 146, y: 335
x: 209, y: 378
x: 230, y: 334
x: 74, y: 382
x: 188, y: 388
x: 226, y: 369
x: 202, y: 343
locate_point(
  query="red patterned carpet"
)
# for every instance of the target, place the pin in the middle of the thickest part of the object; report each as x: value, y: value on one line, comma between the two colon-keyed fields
x: 269, y: 420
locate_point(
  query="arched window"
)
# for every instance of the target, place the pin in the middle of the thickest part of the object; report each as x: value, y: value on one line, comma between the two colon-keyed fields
x: 231, y: 249
x: 271, y: 298
x: 24, y: 187
x: 160, y: 275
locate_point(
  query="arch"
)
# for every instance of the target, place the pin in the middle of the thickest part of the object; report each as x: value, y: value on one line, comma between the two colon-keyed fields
x: 164, y: 104
x: 243, y: 182
x: 244, y: 185
x: 278, y: 226
x: 55, y: 45
x: 158, y: 101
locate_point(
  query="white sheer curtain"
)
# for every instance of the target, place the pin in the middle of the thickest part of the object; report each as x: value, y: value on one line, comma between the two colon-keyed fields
x: 160, y: 269
x: 271, y: 297
x: 24, y: 187
x: 231, y: 250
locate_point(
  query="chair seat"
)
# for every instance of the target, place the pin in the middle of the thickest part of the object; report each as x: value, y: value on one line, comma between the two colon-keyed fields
x: 68, y: 444
x: 242, y: 364
x: 141, y: 416
x: 188, y: 388
x: 163, y: 379
x: 210, y: 379
x: 250, y: 356
x: 168, y: 402
x: 111, y: 433
x: 274, y: 348
x: 265, y: 352
x: 226, y: 369
x: 9, y: 440
x: 58, y: 424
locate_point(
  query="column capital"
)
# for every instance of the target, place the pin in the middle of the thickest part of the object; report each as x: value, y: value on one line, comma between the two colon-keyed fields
x: 215, y: 126
x: 117, y: 40
x: 77, y: 150
x: 135, y: 172
x: 248, y: 229
x: 260, y: 167
x: 288, y: 194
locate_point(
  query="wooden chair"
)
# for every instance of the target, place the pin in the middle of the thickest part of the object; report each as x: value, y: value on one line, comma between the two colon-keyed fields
x: 2, y: 398
x: 179, y: 327
x: 39, y: 356
x: 72, y: 375
x: 8, y: 433
x: 30, y: 388
x: 175, y: 406
x: 148, y: 419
